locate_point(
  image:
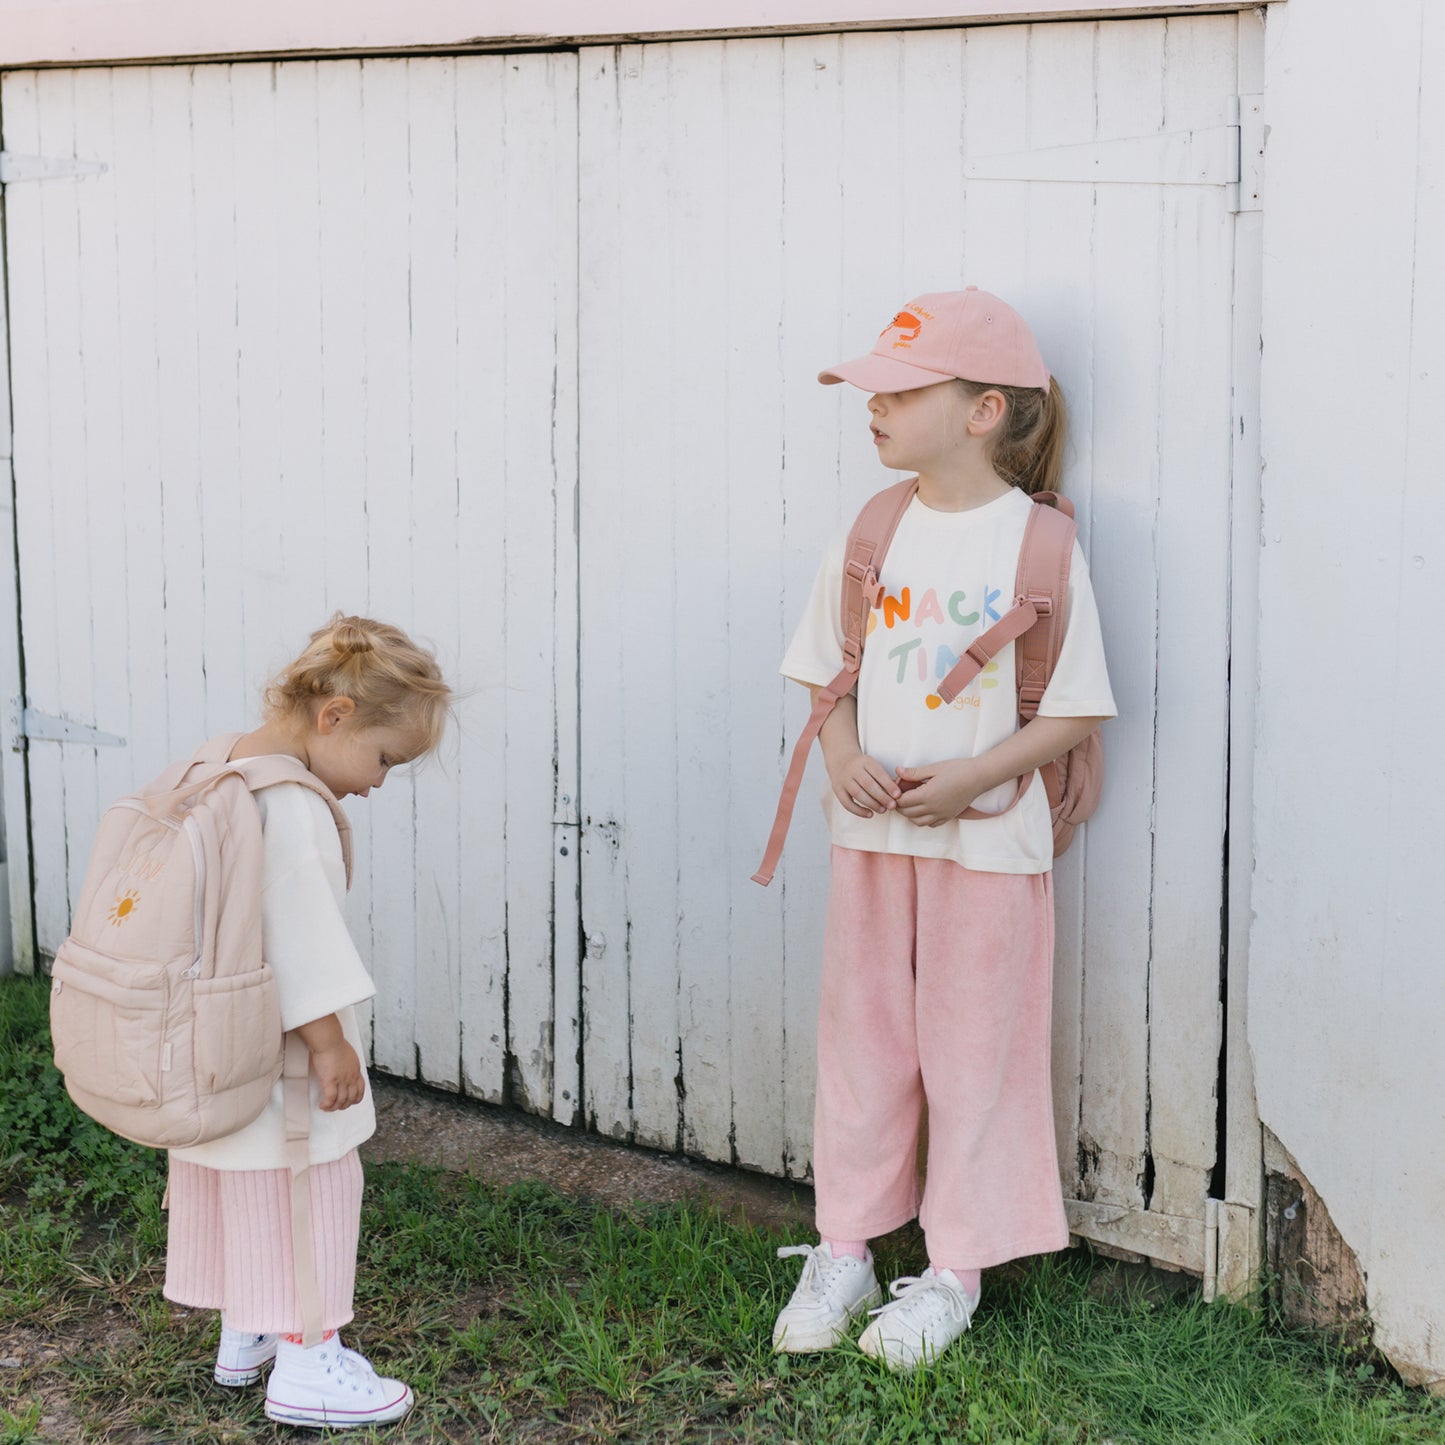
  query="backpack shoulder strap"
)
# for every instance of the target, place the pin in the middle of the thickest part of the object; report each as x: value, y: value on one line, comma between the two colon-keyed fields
x: 868, y: 541
x: 274, y: 768
x: 863, y: 553
x: 1043, y: 580
x: 213, y: 750
x: 1041, y: 583
x: 1033, y: 623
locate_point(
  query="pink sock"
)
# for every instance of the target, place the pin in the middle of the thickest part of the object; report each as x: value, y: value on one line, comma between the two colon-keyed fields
x: 858, y: 1248
x: 970, y: 1279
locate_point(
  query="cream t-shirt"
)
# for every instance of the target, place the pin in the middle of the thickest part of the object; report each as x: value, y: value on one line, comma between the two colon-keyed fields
x: 318, y: 972
x: 947, y: 578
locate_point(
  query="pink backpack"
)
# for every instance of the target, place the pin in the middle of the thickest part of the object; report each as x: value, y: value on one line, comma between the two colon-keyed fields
x: 1035, y: 622
x: 164, y: 1014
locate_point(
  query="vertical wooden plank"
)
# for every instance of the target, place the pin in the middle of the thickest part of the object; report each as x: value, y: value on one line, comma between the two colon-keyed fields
x: 264, y: 646
x: 481, y: 604
x: 1185, y: 1025
x: 701, y: 264
x: 603, y: 396
x: 808, y: 511
x: 561, y: 220
x: 930, y: 157
x: 1243, y: 1146
x: 232, y: 698
x: 996, y: 121
x: 63, y: 782
x: 646, y: 515
x: 529, y: 386
x: 139, y: 459
x: 17, y: 98
x: 746, y: 616
x: 341, y: 180
x: 101, y: 423
x: 390, y: 818
x: 34, y: 504
x: 341, y: 188
x: 875, y: 214
x: 1056, y: 300
x: 294, y: 199
x: 529, y: 561
x: 434, y: 258
x: 1114, y: 1102
x: 178, y: 443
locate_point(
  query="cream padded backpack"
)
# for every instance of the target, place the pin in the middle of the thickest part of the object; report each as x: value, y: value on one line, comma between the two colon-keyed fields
x: 163, y: 1012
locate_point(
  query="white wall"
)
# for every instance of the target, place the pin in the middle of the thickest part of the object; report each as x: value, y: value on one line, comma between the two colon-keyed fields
x: 1347, y: 987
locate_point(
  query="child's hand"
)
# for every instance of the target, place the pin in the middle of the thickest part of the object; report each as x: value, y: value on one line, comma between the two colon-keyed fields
x: 938, y: 792
x: 338, y: 1070
x: 864, y: 786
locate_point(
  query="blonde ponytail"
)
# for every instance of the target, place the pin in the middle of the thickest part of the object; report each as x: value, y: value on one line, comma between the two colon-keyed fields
x: 1029, y: 450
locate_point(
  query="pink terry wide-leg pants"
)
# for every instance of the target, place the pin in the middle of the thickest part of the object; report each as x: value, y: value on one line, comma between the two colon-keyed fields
x: 937, y: 984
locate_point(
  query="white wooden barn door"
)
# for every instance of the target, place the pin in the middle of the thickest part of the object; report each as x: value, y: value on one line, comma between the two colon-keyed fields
x: 751, y: 211
x: 307, y: 343
x: 371, y: 334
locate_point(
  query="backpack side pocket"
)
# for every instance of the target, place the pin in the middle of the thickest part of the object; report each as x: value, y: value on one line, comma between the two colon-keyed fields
x: 108, y: 1020
x: 238, y: 1031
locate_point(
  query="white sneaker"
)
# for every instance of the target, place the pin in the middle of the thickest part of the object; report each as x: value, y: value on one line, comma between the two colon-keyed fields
x: 242, y: 1355
x: 930, y: 1312
x: 330, y: 1385
x: 829, y: 1295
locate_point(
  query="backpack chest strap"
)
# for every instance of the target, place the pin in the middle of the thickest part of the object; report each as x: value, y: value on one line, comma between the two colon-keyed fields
x: 987, y: 645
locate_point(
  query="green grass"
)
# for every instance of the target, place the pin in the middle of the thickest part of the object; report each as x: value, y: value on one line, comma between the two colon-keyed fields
x: 520, y: 1315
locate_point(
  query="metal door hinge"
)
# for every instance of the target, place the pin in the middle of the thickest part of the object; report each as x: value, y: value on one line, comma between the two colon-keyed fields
x: 1247, y: 193
x: 15, y: 168
x: 1231, y: 1249
x: 30, y: 725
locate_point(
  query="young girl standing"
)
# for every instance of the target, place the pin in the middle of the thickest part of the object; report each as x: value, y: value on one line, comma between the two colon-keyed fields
x: 938, y: 953
x: 361, y: 699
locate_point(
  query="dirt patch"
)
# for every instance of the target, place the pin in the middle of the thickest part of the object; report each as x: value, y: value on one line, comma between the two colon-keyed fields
x: 502, y: 1147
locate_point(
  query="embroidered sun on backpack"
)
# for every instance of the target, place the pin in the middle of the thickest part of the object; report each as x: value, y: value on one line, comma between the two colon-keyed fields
x: 1035, y: 623
x: 164, y: 1015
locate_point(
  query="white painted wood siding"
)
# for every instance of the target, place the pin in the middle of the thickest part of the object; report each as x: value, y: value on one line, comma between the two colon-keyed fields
x: 309, y: 343
x: 1346, y: 989
x: 751, y: 211
x: 364, y: 333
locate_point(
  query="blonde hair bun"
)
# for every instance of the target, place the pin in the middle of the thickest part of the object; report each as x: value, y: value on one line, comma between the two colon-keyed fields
x: 348, y: 634
x: 393, y: 681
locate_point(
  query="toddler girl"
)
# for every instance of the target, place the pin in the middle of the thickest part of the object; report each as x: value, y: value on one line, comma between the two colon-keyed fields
x: 360, y: 700
x: 938, y: 953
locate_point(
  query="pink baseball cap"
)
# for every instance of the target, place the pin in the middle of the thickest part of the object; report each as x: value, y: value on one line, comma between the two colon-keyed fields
x: 969, y: 334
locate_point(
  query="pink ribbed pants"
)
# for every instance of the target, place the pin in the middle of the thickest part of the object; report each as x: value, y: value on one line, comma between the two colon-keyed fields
x: 937, y: 986
x: 228, y: 1244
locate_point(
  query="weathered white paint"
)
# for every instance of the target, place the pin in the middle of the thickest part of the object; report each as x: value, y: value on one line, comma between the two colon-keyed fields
x: 1240, y: 1218
x: 75, y: 32
x: 17, y: 945
x: 724, y: 261
x: 259, y: 366
x: 363, y: 292
x: 1346, y: 990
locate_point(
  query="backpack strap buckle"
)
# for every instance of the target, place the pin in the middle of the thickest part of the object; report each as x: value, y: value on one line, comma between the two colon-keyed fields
x: 867, y: 579
x: 1041, y: 602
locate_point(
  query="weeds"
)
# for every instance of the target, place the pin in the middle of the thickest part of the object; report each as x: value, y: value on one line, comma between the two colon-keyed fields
x: 519, y: 1315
